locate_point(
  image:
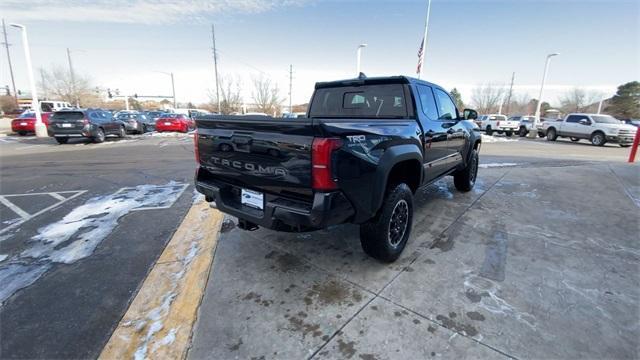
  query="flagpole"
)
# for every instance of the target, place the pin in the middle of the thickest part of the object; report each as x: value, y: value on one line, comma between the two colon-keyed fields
x: 424, y: 39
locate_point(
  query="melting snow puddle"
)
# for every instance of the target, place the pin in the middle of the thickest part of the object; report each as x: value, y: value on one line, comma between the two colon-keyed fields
x: 79, y: 233
x: 496, y: 165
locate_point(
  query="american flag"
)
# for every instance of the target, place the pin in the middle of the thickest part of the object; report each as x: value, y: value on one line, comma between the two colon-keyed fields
x: 420, y: 56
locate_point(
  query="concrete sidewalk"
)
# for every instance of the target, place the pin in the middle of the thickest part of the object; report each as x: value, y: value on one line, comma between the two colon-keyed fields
x: 537, y: 262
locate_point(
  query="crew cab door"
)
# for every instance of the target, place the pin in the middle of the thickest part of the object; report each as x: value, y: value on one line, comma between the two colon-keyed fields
x: 456, y: 133
x: 571, y: 126
x: 437, y: 153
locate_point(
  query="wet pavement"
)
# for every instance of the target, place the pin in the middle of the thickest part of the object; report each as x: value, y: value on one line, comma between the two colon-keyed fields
x: 541, y: 260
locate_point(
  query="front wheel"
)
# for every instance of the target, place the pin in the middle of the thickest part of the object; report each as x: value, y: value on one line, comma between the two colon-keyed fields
x: 598, y: 139
x: 489, y: 131
x: 122, y: 132
x: 465, y: 179
x: 552, y: 135
x: 385, y: 236
x: 523, y: 131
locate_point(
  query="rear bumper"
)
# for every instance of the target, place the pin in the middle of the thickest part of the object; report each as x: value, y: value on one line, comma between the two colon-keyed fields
x: 176, y: 127
x: 75, y: 133
x: 16, y: 127
x: 279, y: 213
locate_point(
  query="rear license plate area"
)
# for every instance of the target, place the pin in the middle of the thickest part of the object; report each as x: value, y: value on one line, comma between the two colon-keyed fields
x: 252, y: 198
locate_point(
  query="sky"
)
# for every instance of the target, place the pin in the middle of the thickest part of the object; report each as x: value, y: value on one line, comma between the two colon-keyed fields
x: 126, y: 45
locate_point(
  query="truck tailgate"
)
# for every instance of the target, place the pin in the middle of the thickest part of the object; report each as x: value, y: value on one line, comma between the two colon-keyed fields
x: 258, y: 153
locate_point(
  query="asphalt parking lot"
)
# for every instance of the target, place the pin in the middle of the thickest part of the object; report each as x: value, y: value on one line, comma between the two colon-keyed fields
x: 541, y: 260
x: 82, y: 224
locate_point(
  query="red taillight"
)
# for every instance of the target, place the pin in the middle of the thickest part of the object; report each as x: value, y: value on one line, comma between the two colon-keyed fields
x: 321, y: 150
x: 195, y: 146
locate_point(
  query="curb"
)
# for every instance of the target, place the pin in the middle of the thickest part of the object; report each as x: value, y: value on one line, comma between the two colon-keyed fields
x: 159, y: 321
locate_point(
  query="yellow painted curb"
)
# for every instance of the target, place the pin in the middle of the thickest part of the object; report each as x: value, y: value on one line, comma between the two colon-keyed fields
x: 159, y: 321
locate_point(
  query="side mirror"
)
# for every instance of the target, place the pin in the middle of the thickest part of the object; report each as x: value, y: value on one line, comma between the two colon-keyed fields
x: 470, y: 114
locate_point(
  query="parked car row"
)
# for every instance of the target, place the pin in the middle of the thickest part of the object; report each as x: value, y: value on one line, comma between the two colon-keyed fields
x: 597, y: 128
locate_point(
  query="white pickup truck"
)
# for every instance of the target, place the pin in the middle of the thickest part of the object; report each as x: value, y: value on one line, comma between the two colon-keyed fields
x: 599, y: 129
x: 499, y: 123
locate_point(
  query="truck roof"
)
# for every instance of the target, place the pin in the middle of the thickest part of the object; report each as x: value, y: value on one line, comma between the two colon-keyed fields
x: 396, y: 79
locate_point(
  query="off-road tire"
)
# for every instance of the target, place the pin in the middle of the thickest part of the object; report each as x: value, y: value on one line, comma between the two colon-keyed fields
x: 385, y: 236
x: 465, y: 179
x: 598, y: 139
x: 552, y: 135
x: 62, y: 140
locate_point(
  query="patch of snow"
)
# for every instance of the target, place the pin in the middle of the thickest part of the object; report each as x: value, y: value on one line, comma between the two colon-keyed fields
x: 78, y: 234
x: 167, y: 340
x: 495, y: 139
x: 3, y: 256
x: 443, y: 189
x: 197, y: 196
x: 10, y: 221
x: 496, y: 165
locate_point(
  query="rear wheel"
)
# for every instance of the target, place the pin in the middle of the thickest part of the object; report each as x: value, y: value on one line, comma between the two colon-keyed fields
x: 552, y: 135
x: 598, y: 139
x: 99, y: 136
x: 508, y: 133
x: 489, y: 131
x: 385, y: 236
x: 465, y: 179
x: 122, y: 132
x: 574, y: 139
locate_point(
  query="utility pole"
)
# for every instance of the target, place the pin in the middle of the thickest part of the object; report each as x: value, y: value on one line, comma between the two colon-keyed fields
x: 6, y: 45
x: 290, y: 87
x: 215, y: 64
x: 73, y: 79
x: 44, y: 85
x: 513, y: 76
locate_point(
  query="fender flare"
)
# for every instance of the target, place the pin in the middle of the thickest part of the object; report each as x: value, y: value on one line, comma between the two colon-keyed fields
x: 392, y: 156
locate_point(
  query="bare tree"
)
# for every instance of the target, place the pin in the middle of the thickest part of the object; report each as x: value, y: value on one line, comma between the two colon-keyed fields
x: 487, y: 98
x: 60, y: 86
x: 520, y: 105
x: 579, y: 100
x: 266, y: 95
x: 230, y: 95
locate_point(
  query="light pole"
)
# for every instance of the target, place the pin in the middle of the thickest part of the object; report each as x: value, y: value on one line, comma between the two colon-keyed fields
x: 358, y: 54
x: 536, y: 119
x: 173, y: 86
x: 41, y: 129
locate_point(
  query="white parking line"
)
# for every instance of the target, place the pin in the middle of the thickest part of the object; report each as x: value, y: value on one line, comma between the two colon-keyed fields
x: 4, y: 199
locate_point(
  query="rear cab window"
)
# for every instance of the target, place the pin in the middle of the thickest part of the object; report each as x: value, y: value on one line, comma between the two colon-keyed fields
x: 365, y: 101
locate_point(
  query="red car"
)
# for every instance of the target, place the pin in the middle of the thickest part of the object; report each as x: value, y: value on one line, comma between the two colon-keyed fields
x: 174, y: 122
x: 26, y: 122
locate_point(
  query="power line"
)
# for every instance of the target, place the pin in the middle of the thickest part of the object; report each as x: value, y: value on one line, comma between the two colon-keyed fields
x: 6, y: 45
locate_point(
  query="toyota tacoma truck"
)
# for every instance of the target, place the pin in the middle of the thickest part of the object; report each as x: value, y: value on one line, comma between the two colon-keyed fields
x: 364, y: 149
x: 598, y: 129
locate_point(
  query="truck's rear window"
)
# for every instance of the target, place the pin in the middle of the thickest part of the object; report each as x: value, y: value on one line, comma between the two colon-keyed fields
x: 370, y: 101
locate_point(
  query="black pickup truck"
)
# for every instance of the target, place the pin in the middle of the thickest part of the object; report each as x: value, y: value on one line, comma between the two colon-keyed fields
x: 364, y: 149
